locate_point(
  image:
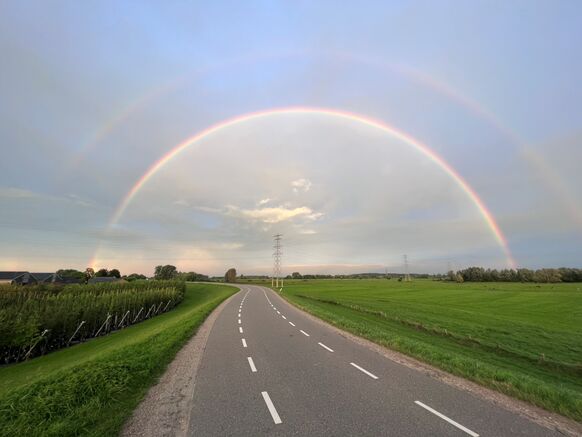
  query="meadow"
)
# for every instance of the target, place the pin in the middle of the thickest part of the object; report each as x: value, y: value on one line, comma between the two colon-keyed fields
x: 90, y: 389
x: 524, y: 340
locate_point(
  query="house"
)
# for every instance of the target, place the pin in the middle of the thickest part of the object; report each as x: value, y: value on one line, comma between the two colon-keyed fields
x: 17, y: 278
x: 27, y: 278
x: 47, y: 278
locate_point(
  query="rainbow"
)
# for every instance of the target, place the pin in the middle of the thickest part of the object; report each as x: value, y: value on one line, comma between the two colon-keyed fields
x: 420, y: 147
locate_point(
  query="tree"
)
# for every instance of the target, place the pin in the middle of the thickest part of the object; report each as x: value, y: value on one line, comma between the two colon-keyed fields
x: 548, y: 275
x: 114, y: 273
x: 102, y: 273
x: 89, y: 273
x: 526, y: 275
x: 71, y: 273
x: 192, y: 276
x: 165, y: 272
x: 230, y: 275
x: 134, y: 277
x: 296, y: 275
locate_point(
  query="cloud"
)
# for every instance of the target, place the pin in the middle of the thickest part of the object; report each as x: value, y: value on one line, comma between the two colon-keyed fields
x: 275, y: 214
x: 16, y: 193
x: 301, y: 185
x: 181, y: 202
x: 264, y: 201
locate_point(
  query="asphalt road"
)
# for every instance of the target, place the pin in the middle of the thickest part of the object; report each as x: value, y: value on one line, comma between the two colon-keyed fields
x: 268, y: 369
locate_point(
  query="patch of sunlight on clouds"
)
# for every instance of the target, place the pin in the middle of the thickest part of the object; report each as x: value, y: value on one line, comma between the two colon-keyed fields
x: 274, y: 214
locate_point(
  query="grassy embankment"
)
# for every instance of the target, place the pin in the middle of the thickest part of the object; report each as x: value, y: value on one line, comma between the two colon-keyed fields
x: 90, y: 389
x: 524, y: 340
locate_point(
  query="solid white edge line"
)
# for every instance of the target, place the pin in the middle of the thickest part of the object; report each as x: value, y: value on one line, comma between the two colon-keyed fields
x: 371, y: 375
x: 244, y: 342
x: 240, y: 329
x: 271, y: 408
x: 451, y: 421
x: 292, y: 324
x: 304, y: 333
x: 325, y: 347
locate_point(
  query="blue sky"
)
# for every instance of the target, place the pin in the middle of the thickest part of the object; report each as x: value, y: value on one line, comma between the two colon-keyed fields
x: 93, y: 93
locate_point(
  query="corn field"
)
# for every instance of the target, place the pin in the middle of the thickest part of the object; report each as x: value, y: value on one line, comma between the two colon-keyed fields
x: 35, y: 320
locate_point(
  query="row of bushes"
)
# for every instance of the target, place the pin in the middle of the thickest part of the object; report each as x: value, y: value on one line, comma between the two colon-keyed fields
x: 479, y: 274
x: 35, y: 320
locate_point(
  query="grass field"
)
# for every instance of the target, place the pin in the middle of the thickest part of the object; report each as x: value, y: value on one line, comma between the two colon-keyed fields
x: 90, y: 389
x: 522, y: 339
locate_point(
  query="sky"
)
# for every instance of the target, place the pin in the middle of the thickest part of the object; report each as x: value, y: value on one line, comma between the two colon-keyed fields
x: 449, y: 131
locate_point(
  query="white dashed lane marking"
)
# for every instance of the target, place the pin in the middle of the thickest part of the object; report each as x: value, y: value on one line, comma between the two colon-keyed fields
x: 451, y: 421
x: 252, y: 364
x: 361, y: 369
x: 271, y: 408
x: 325, y: 347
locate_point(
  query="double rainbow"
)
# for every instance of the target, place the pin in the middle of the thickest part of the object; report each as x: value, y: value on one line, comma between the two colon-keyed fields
x: 407, y: 139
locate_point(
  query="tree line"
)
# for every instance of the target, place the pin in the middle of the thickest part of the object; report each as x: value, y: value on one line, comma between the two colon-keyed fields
x: 169, y: 271
x: 479, y: 274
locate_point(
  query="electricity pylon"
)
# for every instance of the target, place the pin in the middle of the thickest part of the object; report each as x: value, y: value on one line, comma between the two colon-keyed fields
x: 277, y: 255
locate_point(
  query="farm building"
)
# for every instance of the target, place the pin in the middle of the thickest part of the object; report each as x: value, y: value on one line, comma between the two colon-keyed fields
x: 20, y: 278
x: 27, y: 278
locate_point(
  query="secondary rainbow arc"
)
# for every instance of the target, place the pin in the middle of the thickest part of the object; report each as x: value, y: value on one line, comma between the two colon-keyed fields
x: 406, y: 138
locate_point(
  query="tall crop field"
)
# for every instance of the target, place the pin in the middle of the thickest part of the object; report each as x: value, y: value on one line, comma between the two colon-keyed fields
x: 36, y: 320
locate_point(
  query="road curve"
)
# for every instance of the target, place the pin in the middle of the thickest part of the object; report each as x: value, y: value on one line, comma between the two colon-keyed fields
x: 268, y: 369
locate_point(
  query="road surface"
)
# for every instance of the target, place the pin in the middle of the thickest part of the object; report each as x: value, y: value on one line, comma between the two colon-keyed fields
x: 268, y: 369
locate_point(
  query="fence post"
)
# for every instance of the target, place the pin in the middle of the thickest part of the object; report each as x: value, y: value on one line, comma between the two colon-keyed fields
x: 34, y: 345
x: 122, y: 319
x: 75, y: 333
x: 106, y: 320
x: 141, y: 309
x: 150, y: 310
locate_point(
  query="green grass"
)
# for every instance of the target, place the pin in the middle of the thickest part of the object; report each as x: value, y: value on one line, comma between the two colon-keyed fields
x: 92, y: 388
x: 524, y: 340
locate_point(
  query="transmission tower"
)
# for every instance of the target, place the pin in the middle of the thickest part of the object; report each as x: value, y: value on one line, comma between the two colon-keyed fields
x: 406, y: 269
x: 277, y: 255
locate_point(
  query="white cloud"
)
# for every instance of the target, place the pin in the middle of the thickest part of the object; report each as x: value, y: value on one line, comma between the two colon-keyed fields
x: 264, y: 201
x: 275, y: 214
x: 301, y: 185
x: 181, y: 202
